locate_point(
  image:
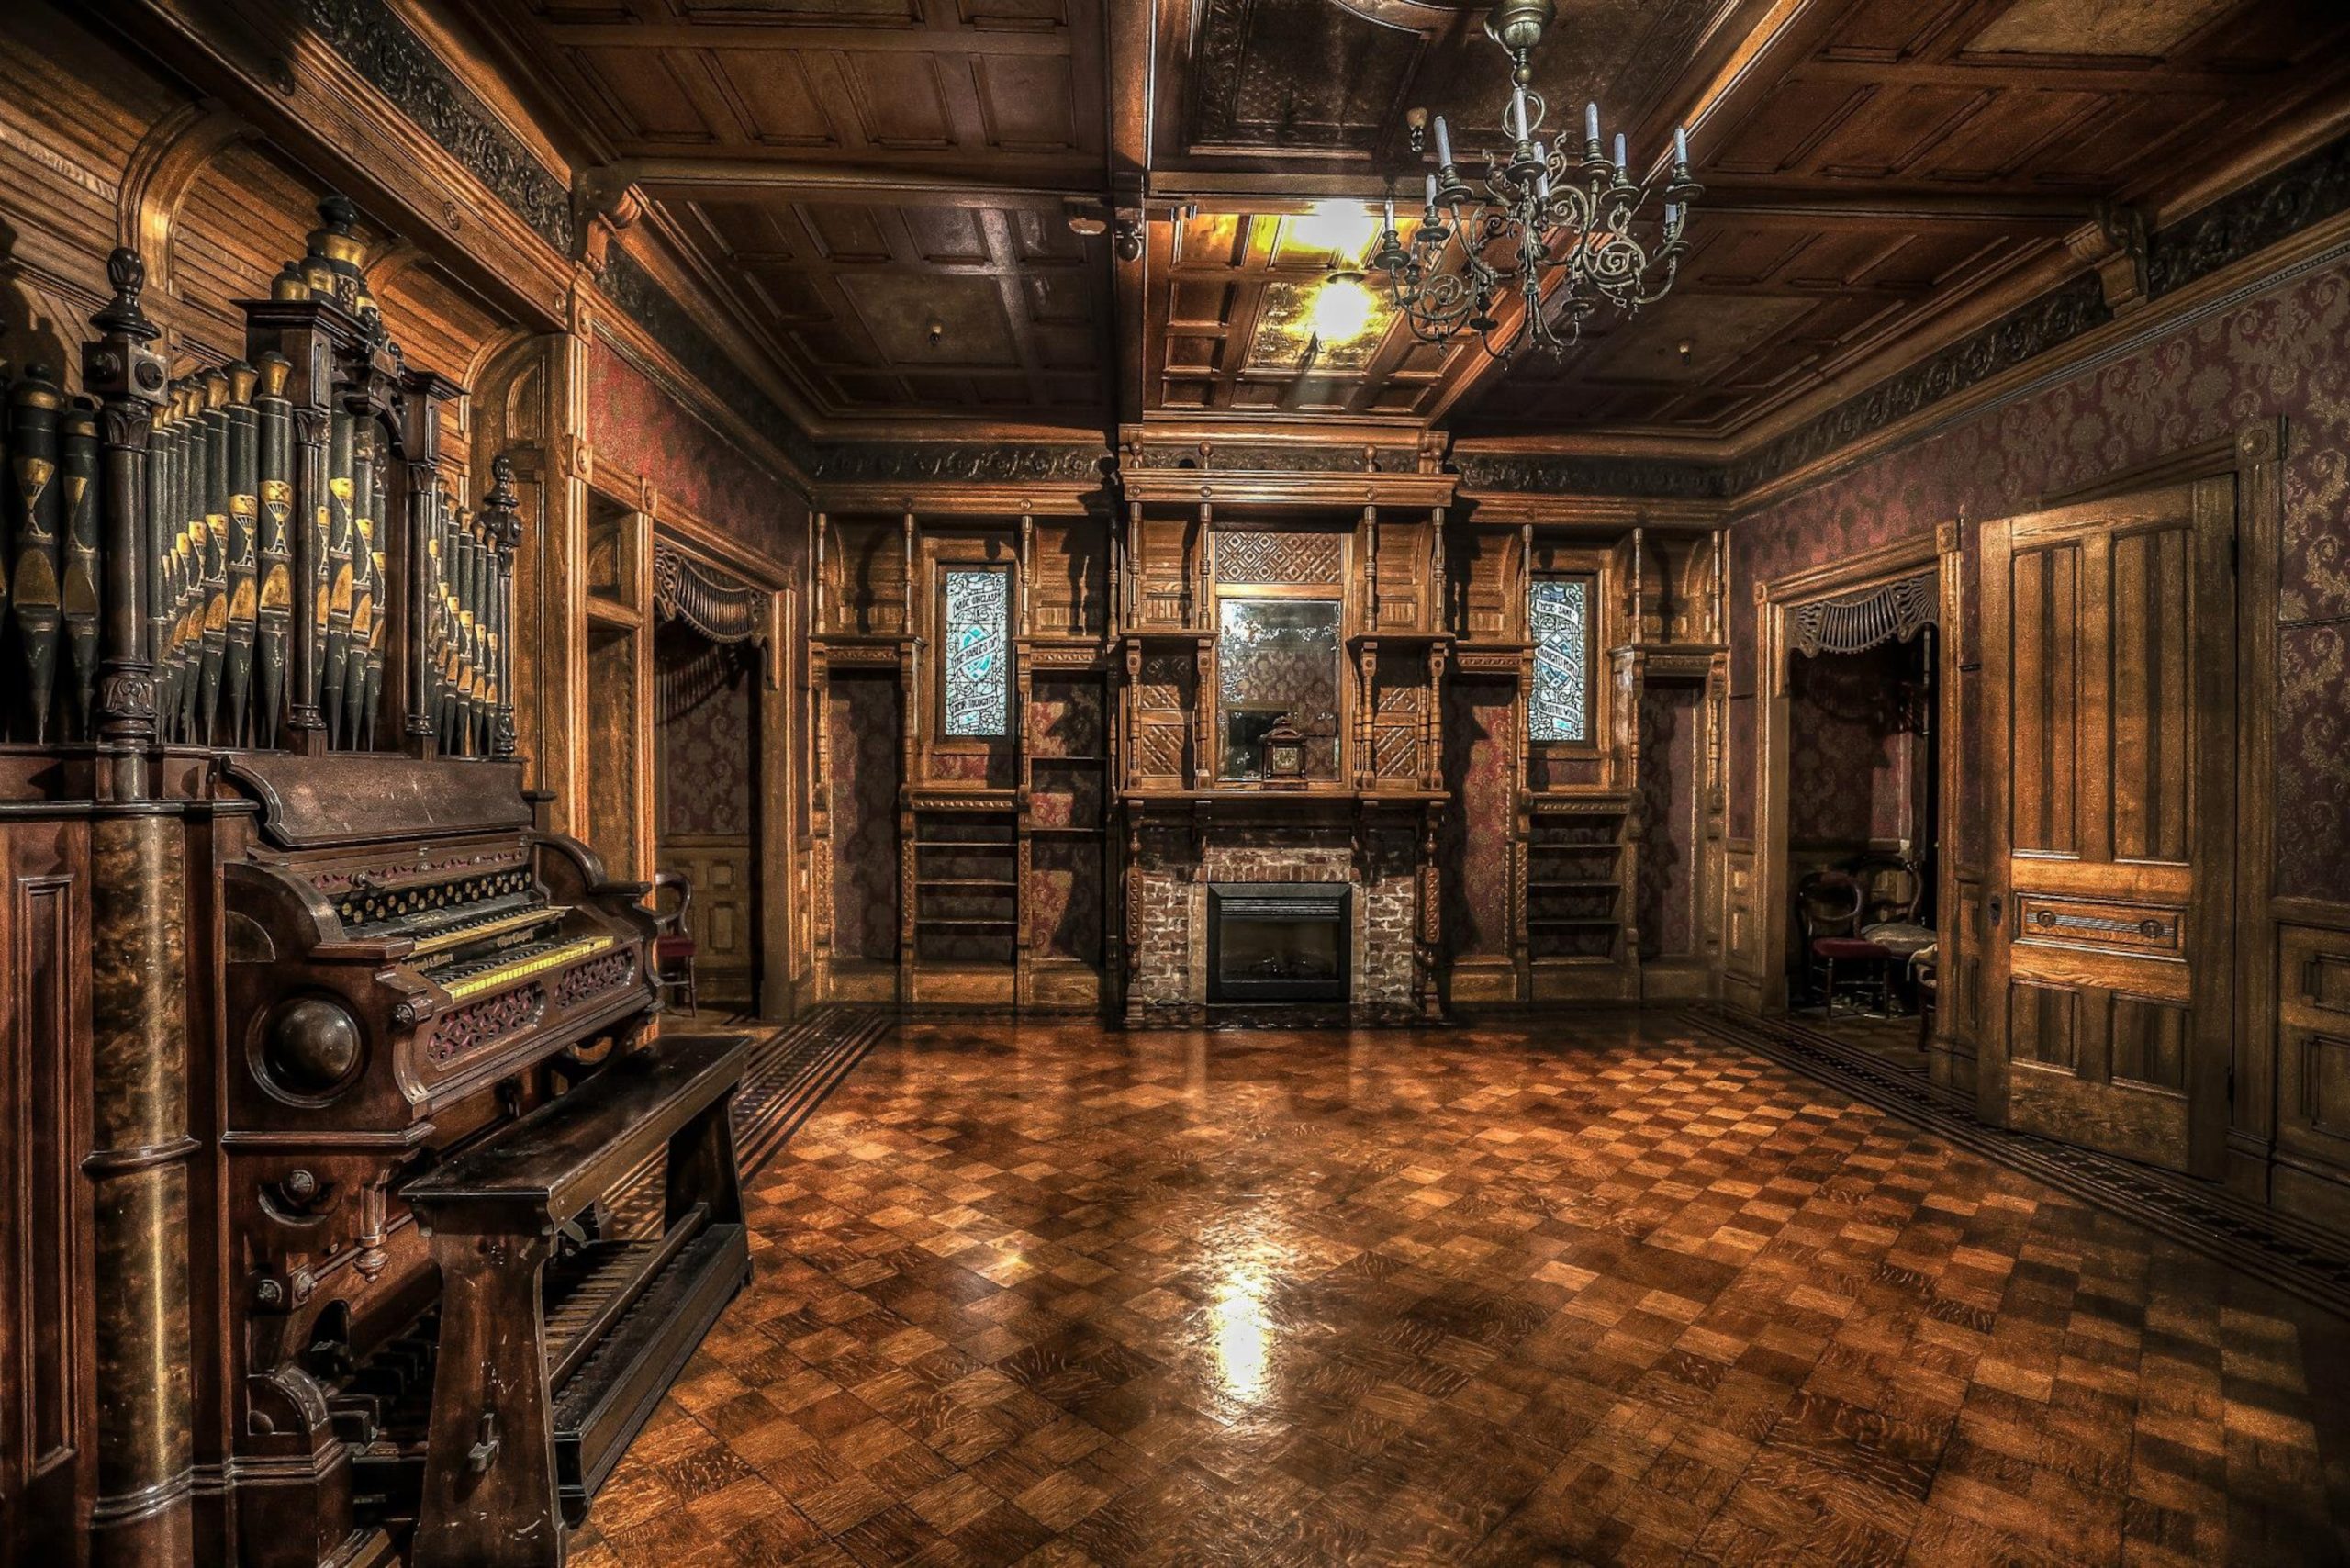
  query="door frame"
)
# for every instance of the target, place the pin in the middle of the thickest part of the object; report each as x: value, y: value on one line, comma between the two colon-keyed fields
x: 1776, y: 603
x: 775, y: 770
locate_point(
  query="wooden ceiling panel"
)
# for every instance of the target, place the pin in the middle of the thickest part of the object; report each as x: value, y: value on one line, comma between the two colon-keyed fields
x: 901, y: 100
x: 849, y: 173
x: 2146, y: 29
x: 1788, y: 127
x: 1027, y: 103
x: 646, y: 93
x: 777, y: 100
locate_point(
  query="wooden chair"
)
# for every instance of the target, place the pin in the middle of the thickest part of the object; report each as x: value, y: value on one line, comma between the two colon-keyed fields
x: 673, y: 948
x: 1892, y: 887
x: 1829, y: 905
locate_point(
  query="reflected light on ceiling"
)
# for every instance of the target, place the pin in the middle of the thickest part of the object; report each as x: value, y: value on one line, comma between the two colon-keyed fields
x: 1342, y: 310
x: 1339, y: 230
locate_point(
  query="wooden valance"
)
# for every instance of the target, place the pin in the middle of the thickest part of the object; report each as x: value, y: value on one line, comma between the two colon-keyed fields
x: 722, y: 607
x: 1852, y: 622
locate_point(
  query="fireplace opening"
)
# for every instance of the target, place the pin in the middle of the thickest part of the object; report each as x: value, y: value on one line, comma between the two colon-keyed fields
x: 1277, y: 941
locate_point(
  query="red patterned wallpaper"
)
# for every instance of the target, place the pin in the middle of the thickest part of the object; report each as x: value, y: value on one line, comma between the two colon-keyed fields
x: 2279, y: 353
x: 636, y: 426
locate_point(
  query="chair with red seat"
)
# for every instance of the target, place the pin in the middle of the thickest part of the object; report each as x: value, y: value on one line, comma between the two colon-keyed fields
x: 1828, y: 904
x: 673, y: 944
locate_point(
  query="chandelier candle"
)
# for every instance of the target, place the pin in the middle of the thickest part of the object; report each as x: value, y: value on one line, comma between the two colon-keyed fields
x: 1544, y: 238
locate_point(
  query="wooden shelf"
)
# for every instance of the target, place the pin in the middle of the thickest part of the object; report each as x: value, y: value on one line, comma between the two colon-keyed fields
x: 1066, y: 757
x: 925, y: 883
x: 958, y: 923
x: 1003, y: 844
x: 1067, y: 829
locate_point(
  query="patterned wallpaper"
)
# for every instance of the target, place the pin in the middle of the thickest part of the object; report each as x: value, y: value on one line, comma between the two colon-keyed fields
x: 636, y: 425
x: 863, y: 723
x: 1846, y: 753
x: 1671, y: 719
x: 2279, y: 353
x: 706, y: 741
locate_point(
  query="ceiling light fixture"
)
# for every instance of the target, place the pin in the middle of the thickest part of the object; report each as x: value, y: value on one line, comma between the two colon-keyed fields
x: 1555, y: 224
x: 1342, y: 307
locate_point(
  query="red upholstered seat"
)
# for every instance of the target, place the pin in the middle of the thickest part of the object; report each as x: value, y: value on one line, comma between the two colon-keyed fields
x: 1847, y: 947
x: 669, y: 948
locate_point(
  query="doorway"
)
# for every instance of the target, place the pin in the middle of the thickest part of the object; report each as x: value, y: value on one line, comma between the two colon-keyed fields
x: 1862, y: 842
x: 708, y: 798
x: 1852, y: 821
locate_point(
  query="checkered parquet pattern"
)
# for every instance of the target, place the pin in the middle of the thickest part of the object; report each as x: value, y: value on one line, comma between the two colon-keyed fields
x: 1589, y: 1291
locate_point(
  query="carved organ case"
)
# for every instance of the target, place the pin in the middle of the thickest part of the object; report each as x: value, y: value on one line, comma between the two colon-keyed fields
x: 261, y: 737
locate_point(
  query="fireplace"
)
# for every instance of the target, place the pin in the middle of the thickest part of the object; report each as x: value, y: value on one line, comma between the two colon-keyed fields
x: 1278, y: 941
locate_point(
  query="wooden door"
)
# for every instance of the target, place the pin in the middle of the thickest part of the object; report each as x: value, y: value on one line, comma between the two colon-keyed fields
x: 2108, y: 667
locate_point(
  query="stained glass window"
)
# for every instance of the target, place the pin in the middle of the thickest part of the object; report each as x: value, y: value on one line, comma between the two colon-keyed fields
x: 1561, y: 703
x: 978, y: 667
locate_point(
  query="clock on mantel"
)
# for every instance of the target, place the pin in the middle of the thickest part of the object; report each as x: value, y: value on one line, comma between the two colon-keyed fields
x: 1284, y: 755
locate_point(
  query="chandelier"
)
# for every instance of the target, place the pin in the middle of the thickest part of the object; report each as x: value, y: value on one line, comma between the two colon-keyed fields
x: 1555, y: 224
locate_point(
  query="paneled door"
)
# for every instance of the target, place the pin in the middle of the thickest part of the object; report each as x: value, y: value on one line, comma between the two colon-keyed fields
x: 2109, y: 670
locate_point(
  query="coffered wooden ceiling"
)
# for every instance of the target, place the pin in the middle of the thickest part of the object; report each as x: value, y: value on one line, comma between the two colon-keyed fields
x: 883, y: 189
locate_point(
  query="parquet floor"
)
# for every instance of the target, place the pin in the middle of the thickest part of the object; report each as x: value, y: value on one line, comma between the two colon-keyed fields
x: 1045, y: 1294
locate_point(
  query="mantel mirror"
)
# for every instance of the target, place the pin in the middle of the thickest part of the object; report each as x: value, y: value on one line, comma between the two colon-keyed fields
x: 1277, y: 657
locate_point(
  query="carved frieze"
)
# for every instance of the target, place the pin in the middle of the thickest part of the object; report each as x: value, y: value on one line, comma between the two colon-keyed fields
x: 375, y: 41
x: 872, y: 463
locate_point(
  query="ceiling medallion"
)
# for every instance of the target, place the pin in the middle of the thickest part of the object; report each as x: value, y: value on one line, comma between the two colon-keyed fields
x: 1554, y: 224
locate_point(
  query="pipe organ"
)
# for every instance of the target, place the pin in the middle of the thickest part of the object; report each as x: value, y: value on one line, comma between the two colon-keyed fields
x: 366, y: 1054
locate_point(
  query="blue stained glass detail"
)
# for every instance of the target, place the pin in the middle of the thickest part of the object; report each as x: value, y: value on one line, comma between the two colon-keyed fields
x: 977, y: 665
x: 1560, y: 706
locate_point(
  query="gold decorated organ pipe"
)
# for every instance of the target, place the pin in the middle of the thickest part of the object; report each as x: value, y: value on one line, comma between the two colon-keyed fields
x: 274, y: 608
x: 378, y: 628
x: 35, y: 405
x: 79, y: 464
x: 461, y: 630
x: 362, y: 585
x: 342, y: 432
x: 477, y: 603
x: 154, y: 546
x: 216, y: 554
x: 444, y: 645
x: 244, y: 508
x: 187, y: 563
x: 162, y: 540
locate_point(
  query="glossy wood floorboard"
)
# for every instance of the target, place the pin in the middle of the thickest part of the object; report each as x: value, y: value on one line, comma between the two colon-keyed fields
x: 1589, y: 1291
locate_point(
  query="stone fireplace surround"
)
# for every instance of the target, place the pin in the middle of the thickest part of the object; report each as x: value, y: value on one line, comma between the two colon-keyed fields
x: 1378, y: 854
